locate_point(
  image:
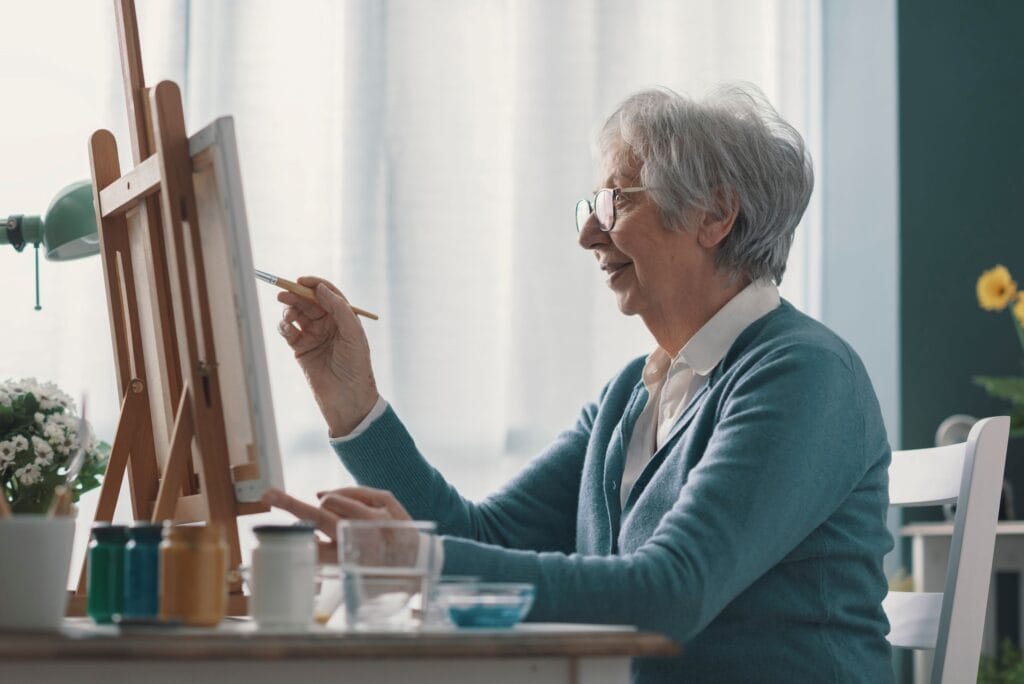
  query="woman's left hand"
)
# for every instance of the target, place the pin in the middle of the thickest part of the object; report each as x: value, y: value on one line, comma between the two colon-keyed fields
x: 347, y: 503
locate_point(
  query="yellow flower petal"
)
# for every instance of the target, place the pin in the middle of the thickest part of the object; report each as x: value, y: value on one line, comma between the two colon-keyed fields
x: 995, y: 289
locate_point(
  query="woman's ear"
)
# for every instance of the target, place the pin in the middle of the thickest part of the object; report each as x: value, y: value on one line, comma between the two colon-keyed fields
x: 716, y: 225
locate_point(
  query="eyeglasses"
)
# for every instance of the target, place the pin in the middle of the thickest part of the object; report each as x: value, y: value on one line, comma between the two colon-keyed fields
x: 603, y: 206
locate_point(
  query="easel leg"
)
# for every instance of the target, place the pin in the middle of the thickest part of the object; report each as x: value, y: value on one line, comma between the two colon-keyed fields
x: 177, y: 460
x: 127, y: 426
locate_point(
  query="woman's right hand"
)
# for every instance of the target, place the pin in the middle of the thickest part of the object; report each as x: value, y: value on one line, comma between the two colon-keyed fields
x: 353, y: 503
x: 331, y: 348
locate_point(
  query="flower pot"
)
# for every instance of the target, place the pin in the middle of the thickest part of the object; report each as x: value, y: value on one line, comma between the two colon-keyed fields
x: 36, y: 557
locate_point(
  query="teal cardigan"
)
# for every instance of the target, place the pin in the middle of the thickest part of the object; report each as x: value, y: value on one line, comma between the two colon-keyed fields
x: 754, y: 537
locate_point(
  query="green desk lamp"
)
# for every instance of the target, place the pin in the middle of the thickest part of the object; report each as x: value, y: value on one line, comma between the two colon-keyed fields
x: 68, y: 230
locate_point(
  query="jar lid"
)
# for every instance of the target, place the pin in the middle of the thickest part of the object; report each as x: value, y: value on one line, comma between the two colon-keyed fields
x: 108, y: 532
x: 146, y: 531
x: 300, y: 527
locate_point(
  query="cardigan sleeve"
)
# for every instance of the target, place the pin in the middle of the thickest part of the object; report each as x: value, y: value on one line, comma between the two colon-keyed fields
x: 535, y: 510
x: 788, y: 448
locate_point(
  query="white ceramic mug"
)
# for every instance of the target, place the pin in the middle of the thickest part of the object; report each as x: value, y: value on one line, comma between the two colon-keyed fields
x: 36, y: 553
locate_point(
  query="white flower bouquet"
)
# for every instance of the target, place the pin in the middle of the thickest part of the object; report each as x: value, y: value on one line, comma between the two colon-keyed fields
x: 38, y: 438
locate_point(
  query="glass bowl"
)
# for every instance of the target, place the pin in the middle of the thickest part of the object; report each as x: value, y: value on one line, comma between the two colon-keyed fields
x: 487, y: 604
x: 437, y: 608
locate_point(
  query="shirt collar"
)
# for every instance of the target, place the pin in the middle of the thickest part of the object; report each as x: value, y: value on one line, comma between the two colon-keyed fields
x: 707, y: 347
x: 713, y: 340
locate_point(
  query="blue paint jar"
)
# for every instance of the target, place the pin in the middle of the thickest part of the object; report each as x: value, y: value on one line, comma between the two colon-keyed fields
x: 142, y: 571
x: 106, y: 571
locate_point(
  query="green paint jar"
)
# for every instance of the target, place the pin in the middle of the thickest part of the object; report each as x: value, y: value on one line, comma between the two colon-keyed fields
x: 106, y: 571
x: 142, y: 570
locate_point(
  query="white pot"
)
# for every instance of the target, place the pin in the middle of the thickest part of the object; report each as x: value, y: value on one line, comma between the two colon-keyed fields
x: 35, y: 558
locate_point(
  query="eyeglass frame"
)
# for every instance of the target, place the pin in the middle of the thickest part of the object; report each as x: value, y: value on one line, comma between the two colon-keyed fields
x: 592, y: 207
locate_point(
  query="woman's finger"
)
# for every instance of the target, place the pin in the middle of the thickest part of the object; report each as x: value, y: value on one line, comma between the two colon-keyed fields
x: 348, y: 508
x: 325, y: 521
x: 376, y: 498
x: 338, y: 307
x: 312, y: 281
x: 301, y: 333
x: 289, y: 332
x: 299, y: 341
x: 370, y: 496
x: 329, y: 297
x: 293, y: 314
x: 310, y: 308
x: 327, y: 552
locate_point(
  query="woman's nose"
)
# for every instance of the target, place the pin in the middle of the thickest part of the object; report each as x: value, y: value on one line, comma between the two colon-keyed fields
x: 591, y: 234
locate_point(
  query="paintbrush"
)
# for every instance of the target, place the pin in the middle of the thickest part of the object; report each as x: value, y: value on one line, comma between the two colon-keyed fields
x: 305, y: 292
x: 5, y: 508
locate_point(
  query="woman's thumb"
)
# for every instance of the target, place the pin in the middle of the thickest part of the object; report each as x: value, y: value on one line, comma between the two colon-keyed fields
x: 330, y: 301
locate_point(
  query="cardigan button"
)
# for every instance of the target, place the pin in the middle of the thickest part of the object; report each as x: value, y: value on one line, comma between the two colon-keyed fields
x: 612, y: 485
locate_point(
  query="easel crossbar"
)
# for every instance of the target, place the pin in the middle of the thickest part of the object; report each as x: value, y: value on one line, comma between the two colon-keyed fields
x: 125, y: 192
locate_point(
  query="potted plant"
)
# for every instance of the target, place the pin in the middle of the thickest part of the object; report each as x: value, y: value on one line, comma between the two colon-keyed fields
x: 40, y: 435
x: 997, y: 291
x: 38, y: 438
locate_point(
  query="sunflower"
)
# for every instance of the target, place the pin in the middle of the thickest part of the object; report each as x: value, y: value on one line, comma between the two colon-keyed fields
x: 996, y: 288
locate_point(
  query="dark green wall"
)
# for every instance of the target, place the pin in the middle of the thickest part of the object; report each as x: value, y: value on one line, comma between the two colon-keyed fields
x: 961, y: 114
x: 961, y: 133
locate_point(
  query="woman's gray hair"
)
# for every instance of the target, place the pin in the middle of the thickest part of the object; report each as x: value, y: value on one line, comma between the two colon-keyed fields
x: 730, y: 150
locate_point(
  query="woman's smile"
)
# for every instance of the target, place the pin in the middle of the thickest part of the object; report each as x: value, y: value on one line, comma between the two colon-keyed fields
x: 615, y: 270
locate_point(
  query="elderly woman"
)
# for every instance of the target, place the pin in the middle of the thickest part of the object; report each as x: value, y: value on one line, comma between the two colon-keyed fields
x: 728, y: 490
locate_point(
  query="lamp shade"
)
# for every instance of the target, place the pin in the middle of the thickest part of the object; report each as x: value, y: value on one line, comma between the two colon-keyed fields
x: 67, y: 231
x: 69, y: 228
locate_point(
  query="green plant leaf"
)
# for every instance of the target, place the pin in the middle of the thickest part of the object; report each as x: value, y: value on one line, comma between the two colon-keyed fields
x: 92, y: 471
x: 1007, y: 387
x: 1007, y: 668
x: 6, y: 418
x: 1017, y: 421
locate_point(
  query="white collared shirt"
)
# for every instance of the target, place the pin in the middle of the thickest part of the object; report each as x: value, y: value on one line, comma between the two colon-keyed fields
x: 672, y: 382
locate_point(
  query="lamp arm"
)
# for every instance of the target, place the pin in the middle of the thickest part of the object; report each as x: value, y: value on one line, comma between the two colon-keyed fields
x: 38, y: 307
x: 18, y: 231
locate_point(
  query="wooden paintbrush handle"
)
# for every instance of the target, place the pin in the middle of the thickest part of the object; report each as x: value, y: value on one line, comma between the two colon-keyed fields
x: 300, y: 290
x: 365, y: 314
x: 307, y: 293
x: 61, y: 504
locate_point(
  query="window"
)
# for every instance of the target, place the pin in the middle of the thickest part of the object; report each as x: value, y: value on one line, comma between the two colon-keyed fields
x: 424, y: 156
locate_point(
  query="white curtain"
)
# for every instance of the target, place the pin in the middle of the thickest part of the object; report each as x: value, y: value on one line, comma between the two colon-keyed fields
x: 426, y: 156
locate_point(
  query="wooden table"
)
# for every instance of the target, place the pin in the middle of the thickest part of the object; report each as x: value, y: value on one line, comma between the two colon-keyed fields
x: 929, y: 557
x: 237, y: 652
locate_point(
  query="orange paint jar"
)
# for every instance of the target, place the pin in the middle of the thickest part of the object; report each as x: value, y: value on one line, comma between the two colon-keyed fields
x: 193, y: 575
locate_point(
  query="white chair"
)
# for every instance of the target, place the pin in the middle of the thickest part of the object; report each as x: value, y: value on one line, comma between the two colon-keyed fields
x: 971, y: 476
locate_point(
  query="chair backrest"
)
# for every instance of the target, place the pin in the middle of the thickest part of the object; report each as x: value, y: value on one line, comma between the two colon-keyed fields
x: 971, y: 476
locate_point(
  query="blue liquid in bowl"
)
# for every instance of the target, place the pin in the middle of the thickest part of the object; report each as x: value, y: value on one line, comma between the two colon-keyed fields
x: 485, y: 616
x: 493, y: 605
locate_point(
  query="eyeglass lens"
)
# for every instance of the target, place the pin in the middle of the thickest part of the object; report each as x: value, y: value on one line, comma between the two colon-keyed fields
x: 583, y: 212
x: 603, y: 207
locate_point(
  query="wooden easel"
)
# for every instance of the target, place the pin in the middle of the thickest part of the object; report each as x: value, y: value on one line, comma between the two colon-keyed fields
x: 160, y: 321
